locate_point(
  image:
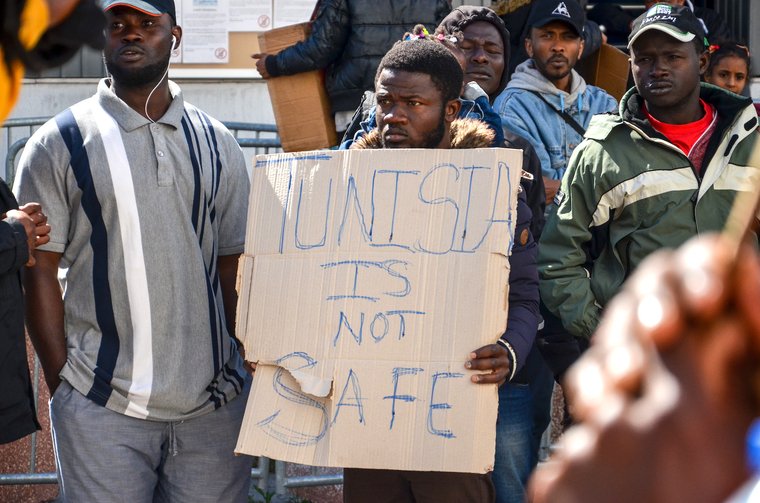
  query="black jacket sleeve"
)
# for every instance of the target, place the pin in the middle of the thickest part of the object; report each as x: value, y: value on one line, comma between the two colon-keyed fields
x: 716, y: 25
x: 592, y: 38
x: 523, y: 315
x: 534, y: 189
x: 329, y: 33
x: 14, y: 251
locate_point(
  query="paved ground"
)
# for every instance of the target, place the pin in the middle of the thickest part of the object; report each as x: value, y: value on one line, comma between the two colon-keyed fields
x: 15, y: 457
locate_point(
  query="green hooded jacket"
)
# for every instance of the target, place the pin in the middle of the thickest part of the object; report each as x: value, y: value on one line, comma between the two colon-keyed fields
x: 628, y: 192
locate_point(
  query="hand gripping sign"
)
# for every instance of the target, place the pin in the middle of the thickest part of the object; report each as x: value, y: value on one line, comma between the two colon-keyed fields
x: 367, y: 279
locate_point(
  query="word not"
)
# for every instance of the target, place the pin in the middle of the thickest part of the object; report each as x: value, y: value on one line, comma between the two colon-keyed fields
x: 378, y: 327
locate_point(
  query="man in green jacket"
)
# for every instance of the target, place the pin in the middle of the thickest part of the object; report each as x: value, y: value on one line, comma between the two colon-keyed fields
x: 666, y: 168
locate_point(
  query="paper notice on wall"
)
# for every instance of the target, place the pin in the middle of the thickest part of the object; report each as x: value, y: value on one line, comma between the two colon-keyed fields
x: 367, y: 278
x: 205, y: 33
x: 250, y: 15
x: 287, y: 12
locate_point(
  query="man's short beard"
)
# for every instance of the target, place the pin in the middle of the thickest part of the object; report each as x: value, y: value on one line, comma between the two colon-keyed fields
x: 434, y: 137
x: 543, y: 70
x: 138, y: 77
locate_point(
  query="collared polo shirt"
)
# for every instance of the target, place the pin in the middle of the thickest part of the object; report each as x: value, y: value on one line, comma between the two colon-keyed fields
x: 140, y: 212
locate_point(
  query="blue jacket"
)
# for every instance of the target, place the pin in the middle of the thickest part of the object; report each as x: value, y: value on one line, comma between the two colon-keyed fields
x: 529, y: 116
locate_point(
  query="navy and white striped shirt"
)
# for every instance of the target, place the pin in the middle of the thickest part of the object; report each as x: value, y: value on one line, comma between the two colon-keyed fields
x: 141, y: 212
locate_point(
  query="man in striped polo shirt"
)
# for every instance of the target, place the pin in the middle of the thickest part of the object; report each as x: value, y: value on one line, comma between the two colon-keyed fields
x: 147, y: 199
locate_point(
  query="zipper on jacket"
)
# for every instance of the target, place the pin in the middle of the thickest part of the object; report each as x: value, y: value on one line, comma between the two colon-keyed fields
x: 695, y: 195
x: 667, y: 145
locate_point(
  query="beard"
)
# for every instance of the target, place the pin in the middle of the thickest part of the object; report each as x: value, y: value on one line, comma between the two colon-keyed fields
x: 434, y: 137
x: 548, y: 71
x: 147, y: 75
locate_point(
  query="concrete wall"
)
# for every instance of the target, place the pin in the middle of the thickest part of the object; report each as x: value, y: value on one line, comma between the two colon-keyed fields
x: 227, y: 100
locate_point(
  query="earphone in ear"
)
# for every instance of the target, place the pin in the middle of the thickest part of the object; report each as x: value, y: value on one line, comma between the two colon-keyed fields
x: 174, y: 42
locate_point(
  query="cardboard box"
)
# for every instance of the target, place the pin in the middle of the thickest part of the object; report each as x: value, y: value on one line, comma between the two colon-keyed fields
x: 368, y: 277
x: 300, y: 102
x: 607, y: 68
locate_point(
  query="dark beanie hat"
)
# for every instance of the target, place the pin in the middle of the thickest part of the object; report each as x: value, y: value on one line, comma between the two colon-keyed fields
x: 459, y: 18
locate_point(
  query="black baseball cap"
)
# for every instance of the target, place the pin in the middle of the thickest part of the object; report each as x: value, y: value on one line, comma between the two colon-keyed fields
x: 546, y: 11
x: 675, y: 20
x: 150, y: 7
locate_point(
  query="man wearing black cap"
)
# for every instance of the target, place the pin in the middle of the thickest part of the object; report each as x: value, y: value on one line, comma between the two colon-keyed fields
x: 146, y: 197
x: 515, y: 14
x: 666, y: 168
x: 547, y: 101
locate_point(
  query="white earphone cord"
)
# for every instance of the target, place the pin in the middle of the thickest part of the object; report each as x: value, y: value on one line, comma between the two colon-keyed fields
x: 174, y: 41
x: 154, y: 90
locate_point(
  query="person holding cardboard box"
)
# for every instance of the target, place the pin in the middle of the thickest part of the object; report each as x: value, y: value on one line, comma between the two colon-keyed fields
x: 418, y: 84
x: 664, y: 169
x: 147, y: 199
x: 348, y: 39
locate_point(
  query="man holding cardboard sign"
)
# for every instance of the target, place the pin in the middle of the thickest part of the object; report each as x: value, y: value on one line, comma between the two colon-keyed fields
x: 400, y: 301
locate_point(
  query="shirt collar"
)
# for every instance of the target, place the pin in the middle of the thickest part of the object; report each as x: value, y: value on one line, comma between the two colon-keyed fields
x: 128, y: 119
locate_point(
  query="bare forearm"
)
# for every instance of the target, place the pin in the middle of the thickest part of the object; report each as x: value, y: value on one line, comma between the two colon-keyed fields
x: 44, y: 315
x: 228, y: 278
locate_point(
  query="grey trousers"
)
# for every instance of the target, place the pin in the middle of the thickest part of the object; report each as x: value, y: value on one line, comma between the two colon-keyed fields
x: 103, y: 456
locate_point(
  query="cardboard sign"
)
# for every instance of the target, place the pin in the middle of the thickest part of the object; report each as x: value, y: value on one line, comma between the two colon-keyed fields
x: 368, y: 278
x: 607, y: 68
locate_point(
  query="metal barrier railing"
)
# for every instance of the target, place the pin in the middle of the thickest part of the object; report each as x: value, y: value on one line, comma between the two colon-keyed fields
x: 283, y: 482
x: 260, y: 138
x: 260, y: 474
x: 14, y: 136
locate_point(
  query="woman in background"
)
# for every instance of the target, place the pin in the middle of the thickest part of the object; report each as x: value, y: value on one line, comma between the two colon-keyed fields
x: 729, y: 66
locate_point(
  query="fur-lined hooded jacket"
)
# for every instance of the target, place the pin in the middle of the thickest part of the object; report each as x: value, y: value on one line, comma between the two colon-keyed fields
x: 523, y: 277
